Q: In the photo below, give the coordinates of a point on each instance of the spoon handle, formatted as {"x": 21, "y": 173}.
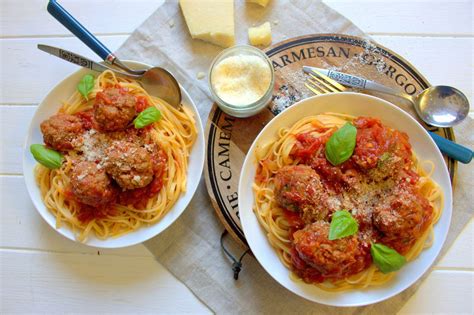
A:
{"x": 452, "y": 149}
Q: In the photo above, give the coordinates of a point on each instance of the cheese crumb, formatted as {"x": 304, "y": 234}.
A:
{"x": 241, "y": 79}
{"x": 171, "y": 23}
{"x": 201, "y": 75}
{"x": 262, "y": 3}
{"x": 261, "y": 35}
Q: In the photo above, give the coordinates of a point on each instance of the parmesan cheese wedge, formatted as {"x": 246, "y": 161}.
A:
{"x": 210, "y": 20}
{"x": 263, "y": 3}
{"x": 261, "y": 35}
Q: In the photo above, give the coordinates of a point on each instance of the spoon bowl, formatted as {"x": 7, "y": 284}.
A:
{"x": 441, "y": 106}
{"x": 159, "y": 82}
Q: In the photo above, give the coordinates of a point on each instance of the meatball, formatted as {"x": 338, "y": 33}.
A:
{"x": 402, "y": 218}
{"x": 389, "y": 166}
{"x": 114, "y": 109}
{"x": 61, "y": 131}
{"x": 298, "y": 188}
{"x": 129, "y": 164}
{"x": 332, "y": 259}
{"x": 91, "y": 185}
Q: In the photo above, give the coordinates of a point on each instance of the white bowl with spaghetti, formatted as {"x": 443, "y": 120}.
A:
{"x": 353, "y": 104}
{"x": 49, "y": 106}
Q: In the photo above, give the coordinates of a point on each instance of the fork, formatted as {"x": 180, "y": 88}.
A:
{"x": 319, "y": 83}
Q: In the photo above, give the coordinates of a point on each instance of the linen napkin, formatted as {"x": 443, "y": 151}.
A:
{"x": 190, "y": 248}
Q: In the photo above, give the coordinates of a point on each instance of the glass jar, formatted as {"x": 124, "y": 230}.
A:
{"x": 240, "y": 110}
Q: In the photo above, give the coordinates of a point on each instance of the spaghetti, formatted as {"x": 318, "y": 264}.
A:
{"x": 290, "y": 170}
{"x": 167, "y": 141}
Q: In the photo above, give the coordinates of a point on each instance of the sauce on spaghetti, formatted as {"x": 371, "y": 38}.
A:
{"x": 377, "y": 184}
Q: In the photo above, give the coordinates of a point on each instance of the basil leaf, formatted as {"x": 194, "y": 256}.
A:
{"x": 386, "y": 258}
{"x": 341, "y": 144}
{"x": 86, "y": 85}
{"x": 342, "y": 225}
{"x": 148, "y": 116}
{"x": 47, "y": 157}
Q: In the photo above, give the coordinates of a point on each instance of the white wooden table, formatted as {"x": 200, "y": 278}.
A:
{"x": 43, "y": 272}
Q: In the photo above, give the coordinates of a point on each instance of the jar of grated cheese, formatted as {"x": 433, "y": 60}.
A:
{"x": 241, "y": 80}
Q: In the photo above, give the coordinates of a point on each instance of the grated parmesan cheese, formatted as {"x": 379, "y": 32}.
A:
{"x": 241, "y": 79}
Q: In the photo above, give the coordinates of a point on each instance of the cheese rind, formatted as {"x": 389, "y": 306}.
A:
{"x": 210, "y": 20}
{"x": 261, "y": 35}
{"x": 263, "y": 3}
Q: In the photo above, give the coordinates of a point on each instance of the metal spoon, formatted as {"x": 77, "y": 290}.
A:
{"x": 157, "y": 81}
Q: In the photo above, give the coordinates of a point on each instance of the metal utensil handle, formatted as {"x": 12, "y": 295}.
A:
{"x": 360, "y": 83}
{"x": 73, "y": 58}
{"x": 452, "y": 149}
{"x": 81, "y": 61}
{"x": 66, "y": 19}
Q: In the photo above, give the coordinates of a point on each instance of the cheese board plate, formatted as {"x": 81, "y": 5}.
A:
{"x": 229, "y": 138}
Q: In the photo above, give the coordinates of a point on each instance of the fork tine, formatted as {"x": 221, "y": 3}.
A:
{"x": 322, "y": 82}
{"x": 319, "y": 86}
{"x": 314, "y": 89}
{"x": 332, "y": 82}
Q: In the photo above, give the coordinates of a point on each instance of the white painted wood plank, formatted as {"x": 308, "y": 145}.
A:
{"x": 461, "y": 253}
{"x": 28, "y": 74}
{"x": 14, "y": 122}
{"x": 23, "y": 228}
{"x": 441, "y": 60}
{"x": 438, "y": 18}
{"x": 443, "y": 292}
{"x": 30, "y": 18}
{"x": 72, "y": 283}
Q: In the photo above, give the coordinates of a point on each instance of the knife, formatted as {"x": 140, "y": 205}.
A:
{"x": 80, "y": 60}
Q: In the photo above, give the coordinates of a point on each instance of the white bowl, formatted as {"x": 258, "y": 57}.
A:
{"x": 358, "y": 105}
{"x": 50, "y": 106}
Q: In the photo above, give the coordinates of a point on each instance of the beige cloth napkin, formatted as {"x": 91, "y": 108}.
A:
{"x": 190, "y": 248}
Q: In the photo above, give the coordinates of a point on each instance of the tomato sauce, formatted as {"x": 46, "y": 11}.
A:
{"x": 141, "y": 104}
{"x": 375, "y": 143}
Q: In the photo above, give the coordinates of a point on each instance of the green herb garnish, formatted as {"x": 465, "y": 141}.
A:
{"x": 386, "y": 258}
{"x": 86, "y": 85}
{"x": 342, "y": 225}
{"x": 148, "y": 116}
{"x": 47, "y": 157}
{"x": 341, "y": 144}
